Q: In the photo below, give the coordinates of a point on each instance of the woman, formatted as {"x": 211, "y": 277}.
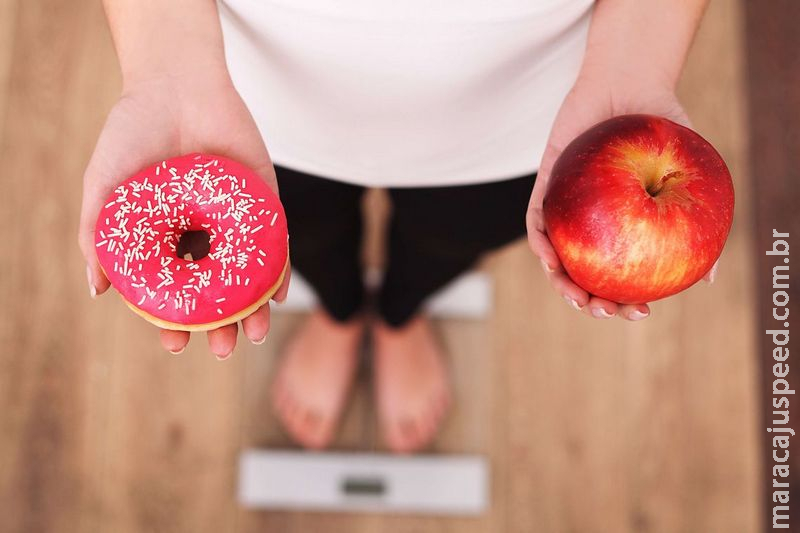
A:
{"x": 458, "y": 108}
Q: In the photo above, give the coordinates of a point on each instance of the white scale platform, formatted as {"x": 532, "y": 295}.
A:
{"x": 368, "y": 482}
{"x": 347, "y": 482}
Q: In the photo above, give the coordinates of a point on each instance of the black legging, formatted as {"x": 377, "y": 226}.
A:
{"x": 435, "y": 234}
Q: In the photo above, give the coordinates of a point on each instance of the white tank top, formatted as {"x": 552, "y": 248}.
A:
{"x": 405, "y": 92}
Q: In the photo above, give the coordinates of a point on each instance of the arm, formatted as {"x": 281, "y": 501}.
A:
{"x": 155, "y": 38}
{"x": 641, "y": 40}
{"x": 634, "y": 56}
{"x": 177, "y": 98}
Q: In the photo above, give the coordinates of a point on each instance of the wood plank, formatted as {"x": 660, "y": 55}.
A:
{"x": 8, "y": 23}
{"x": 773, "y": 80}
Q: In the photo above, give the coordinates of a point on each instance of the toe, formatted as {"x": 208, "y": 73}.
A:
{"x": 404, "y": 436}
{"x": 307, "y": 427}
{"x": 316, "y": 430}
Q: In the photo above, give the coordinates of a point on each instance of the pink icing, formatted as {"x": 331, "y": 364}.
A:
{"x": 139, "y": 227}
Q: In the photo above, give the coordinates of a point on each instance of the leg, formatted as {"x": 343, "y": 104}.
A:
{"x": 438, "y": 233}
{"x": 435, "y": 235}
{"x": 319, "y": 362}
{"x": 324, "y": 218}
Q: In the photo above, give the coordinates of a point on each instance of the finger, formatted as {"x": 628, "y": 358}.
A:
{"x": 174, "y": 341}
{"x": 540, "y": 245}
{"x": 95, "y": 277}
{"x": 283, "y": 291}
{"x": 572, "y": 294}
{"x": 222, "y": 340}
{"x": 711, "y": 275}
{"x": 600, "y": 308}
{"x": 256, "y": 325}
{"x": 634, "y": 312}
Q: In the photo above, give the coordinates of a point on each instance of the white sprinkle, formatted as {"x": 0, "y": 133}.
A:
{"x": 219, "y": 310}
{"x": 220, "y": 300}
{"x": 273, "y": 219}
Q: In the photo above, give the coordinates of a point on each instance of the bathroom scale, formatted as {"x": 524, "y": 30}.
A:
{"x": 363, "y": 482}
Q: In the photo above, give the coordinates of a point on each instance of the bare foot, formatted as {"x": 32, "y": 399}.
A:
{"x": 315, "y": 376}
{"x": 411, "y": 384}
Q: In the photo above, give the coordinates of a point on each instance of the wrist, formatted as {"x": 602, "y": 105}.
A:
{"x": 180, "y": 77}
{"x": 626, "y": 75}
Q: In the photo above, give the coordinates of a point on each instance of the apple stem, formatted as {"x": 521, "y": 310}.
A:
{"x": 655, "y": 188}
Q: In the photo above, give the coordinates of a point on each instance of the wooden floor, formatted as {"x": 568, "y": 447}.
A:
{"x": 589, "y": 426}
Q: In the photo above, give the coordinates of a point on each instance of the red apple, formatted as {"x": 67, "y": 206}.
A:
{"x": 638, "y": 208}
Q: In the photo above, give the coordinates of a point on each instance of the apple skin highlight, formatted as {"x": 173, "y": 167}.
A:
{"x": 638, "y": 208}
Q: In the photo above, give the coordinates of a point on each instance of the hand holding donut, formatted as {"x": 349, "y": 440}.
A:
{"x": 159, "y": 118}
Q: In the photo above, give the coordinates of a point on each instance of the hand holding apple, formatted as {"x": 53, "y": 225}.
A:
{"x": 592, "y": 101}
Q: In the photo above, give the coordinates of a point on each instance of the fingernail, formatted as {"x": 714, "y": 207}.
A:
{"x": 177, "y": 352}
{"x": 573, "y": 303}
{"x": 638, "y": 315}
{"x": 546, "y": 267}
{"x": 223, "y": 357}
{"x": 92, "y": 288}
{"x": 599, "y": 312}
{"x": 260, "y": 341}
{"x": 713, "y": 274}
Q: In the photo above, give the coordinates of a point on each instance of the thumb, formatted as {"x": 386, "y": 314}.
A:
{"x": 538, "y": 241}
{"x": 90, "y": 207}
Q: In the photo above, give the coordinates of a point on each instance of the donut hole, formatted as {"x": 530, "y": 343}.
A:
{"x": 193, "y": 245}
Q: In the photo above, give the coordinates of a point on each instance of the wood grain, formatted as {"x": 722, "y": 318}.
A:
{"x": 589, "y": 426}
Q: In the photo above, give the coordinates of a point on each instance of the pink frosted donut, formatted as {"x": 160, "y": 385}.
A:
{"x": 141, "y": 228}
